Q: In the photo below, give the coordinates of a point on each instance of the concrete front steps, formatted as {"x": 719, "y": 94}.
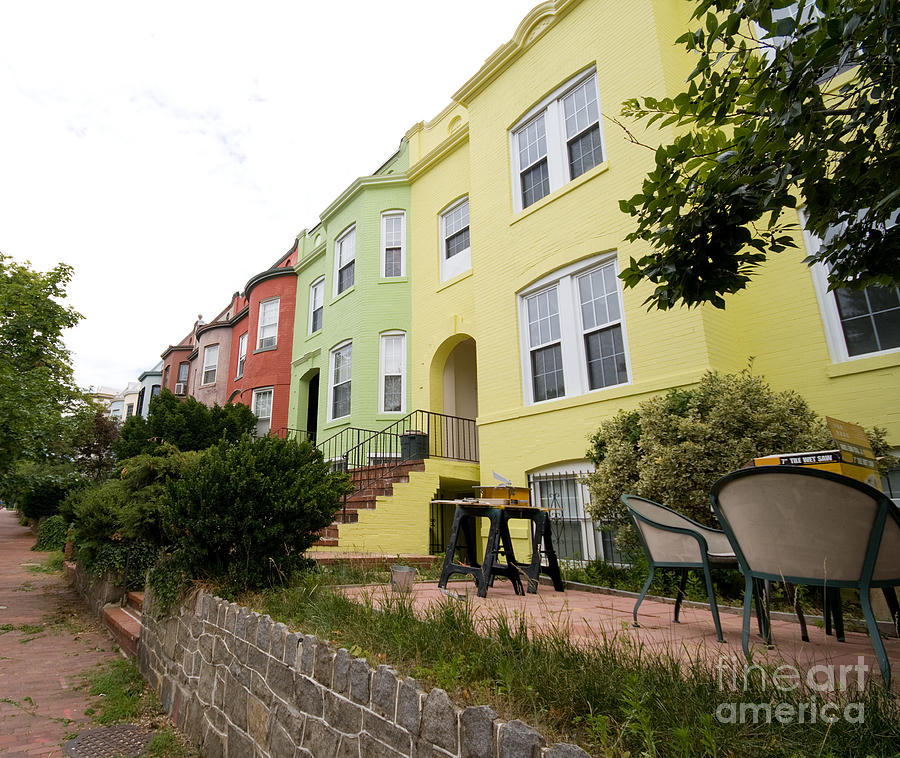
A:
{"x": 397, "y": 522}
{"x": 123, "y": 620}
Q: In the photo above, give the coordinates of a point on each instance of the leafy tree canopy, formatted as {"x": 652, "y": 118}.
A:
{"x": 187, "y": 424}
{"x": 36, "y": 382}
{"x": 790, "y": 105}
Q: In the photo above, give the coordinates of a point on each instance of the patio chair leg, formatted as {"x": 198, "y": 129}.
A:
{"x": 834, "y": 612}
{"x": 642, "y": 595}
{"x": 749, "y": 584}
{"x": 791, "y": 588}
{"x": 680, "y": 595}
{"x": 890, "y": 597}
{"x": 875, "y": 636}
{"x": 762, "y": 610}
{"x": 714, "y": 609}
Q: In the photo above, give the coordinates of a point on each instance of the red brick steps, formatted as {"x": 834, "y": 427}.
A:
{"x": 371, "y": 482}
{"x": 124, "y": 622}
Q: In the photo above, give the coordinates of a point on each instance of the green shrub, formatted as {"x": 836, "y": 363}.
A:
{"x": 187, "y": 424}
{"x": 52, "y": 534}
{"x": 118, "y": 524}
{"x": 674, "y": 447}
{"x": 249, "y": 511}
{"x": 39, "y": 488}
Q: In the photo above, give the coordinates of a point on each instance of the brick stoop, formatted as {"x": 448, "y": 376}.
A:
{"x": 364, "y": 498}
{"x": 124, "y": 622}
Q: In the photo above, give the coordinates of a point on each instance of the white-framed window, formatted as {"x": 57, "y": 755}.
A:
{"x": 857, "y": 322}
{"x": 210, "y": 364}
{"x": 316, "y": 304}
{"x": 183, "y": 370}
{"x": 242, "y": 355}
{"x": 392, "y": 373}
{"x": 261, "y": 405}
{"x": 344, "y": 260}
{"x": 557, "y": 141}
{"x": 393, "y": 244}
{"x": 267, "y": 332}
{"x": 573, "y": 333}
{"x": 456, "y": 253}
{"x": 340, "y": 373}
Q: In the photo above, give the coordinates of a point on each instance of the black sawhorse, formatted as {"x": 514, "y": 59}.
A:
{"x": 498, "y": 537}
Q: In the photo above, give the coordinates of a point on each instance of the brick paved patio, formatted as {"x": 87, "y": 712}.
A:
{"x": 588, "y": 615}
{"x": 39, "y": 671}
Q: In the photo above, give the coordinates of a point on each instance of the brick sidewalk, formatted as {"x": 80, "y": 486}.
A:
{"x": 39, "y": 669}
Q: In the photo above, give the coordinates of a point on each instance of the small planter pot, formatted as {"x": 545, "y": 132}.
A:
{"x": 402, "y": 578}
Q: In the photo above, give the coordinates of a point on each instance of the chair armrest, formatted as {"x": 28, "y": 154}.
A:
{"x": 716, "y": 541}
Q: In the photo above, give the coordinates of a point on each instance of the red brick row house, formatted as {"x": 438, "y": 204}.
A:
{"x": 243, "y": 355}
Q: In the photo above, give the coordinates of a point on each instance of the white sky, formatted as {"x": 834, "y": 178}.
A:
{"x": 169, "y": 151}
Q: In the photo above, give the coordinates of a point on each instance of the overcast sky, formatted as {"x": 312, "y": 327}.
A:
{"x": 169, "y": 151}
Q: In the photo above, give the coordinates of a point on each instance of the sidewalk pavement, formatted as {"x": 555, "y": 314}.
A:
{"x": 48, "y": 641}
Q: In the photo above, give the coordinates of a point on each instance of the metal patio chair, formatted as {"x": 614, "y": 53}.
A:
{"x": 673, "y": 541}
{"x": 806, "y": 526}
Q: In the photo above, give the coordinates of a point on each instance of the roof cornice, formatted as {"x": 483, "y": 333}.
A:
{"x": 460, "y": 136}
{"x": 239, "y": 315}
{"x": 263, "y": 276}
{"x": 308, "y": 260}
{"x": 532, "y": 28}
{"x": 172, "y": 348}
{"x": 213, "y": 325}
{"x": 364, "y": 182}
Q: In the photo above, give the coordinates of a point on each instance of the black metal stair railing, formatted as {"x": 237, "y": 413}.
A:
{"x": 334, "y": 449}
{"x": 419, "y": 435}
{"x": 287, "y": 432}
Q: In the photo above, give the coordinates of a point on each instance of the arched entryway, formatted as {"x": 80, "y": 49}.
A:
{"x": 454, "y": 377}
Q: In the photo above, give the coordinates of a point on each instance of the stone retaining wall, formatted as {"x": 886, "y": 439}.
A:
{"x": 97, "y": 592}
{"x": 240, "y": 685}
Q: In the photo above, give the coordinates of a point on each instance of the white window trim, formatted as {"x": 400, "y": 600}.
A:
{"x": 555, "y": 127}
{"x": 381, "y": 371}
{"x": 259, "y": 323}
{"x": 259, "y": 391}
{"x": 320, "y": 284}
{"x": 831, "y": 318}
{"x": 214, "y": 367}
{"x": 337, "y": 258}
{"x": 330, "y": 398}
{"x": 384, "y": 216}
{"x": 242, "y": 354}
{"x": 462, "y": 261}
{"x": 571, "y": 330}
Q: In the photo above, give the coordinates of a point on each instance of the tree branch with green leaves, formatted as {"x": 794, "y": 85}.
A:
{"x": 789, "y": 105}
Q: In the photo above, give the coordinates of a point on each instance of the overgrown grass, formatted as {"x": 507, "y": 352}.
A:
{"x": 122, "y": 697}
{"x": 52, "y": 565}
{"x": 119, "y": 688}
{"x": 614, "y": 697}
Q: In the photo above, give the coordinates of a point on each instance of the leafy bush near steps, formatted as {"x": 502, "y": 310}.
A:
{"x": 51, "y": 534}
{"x": 118, "y": 524}
{"x": 675, "y": 446}
{"x": 249, "y": 510}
